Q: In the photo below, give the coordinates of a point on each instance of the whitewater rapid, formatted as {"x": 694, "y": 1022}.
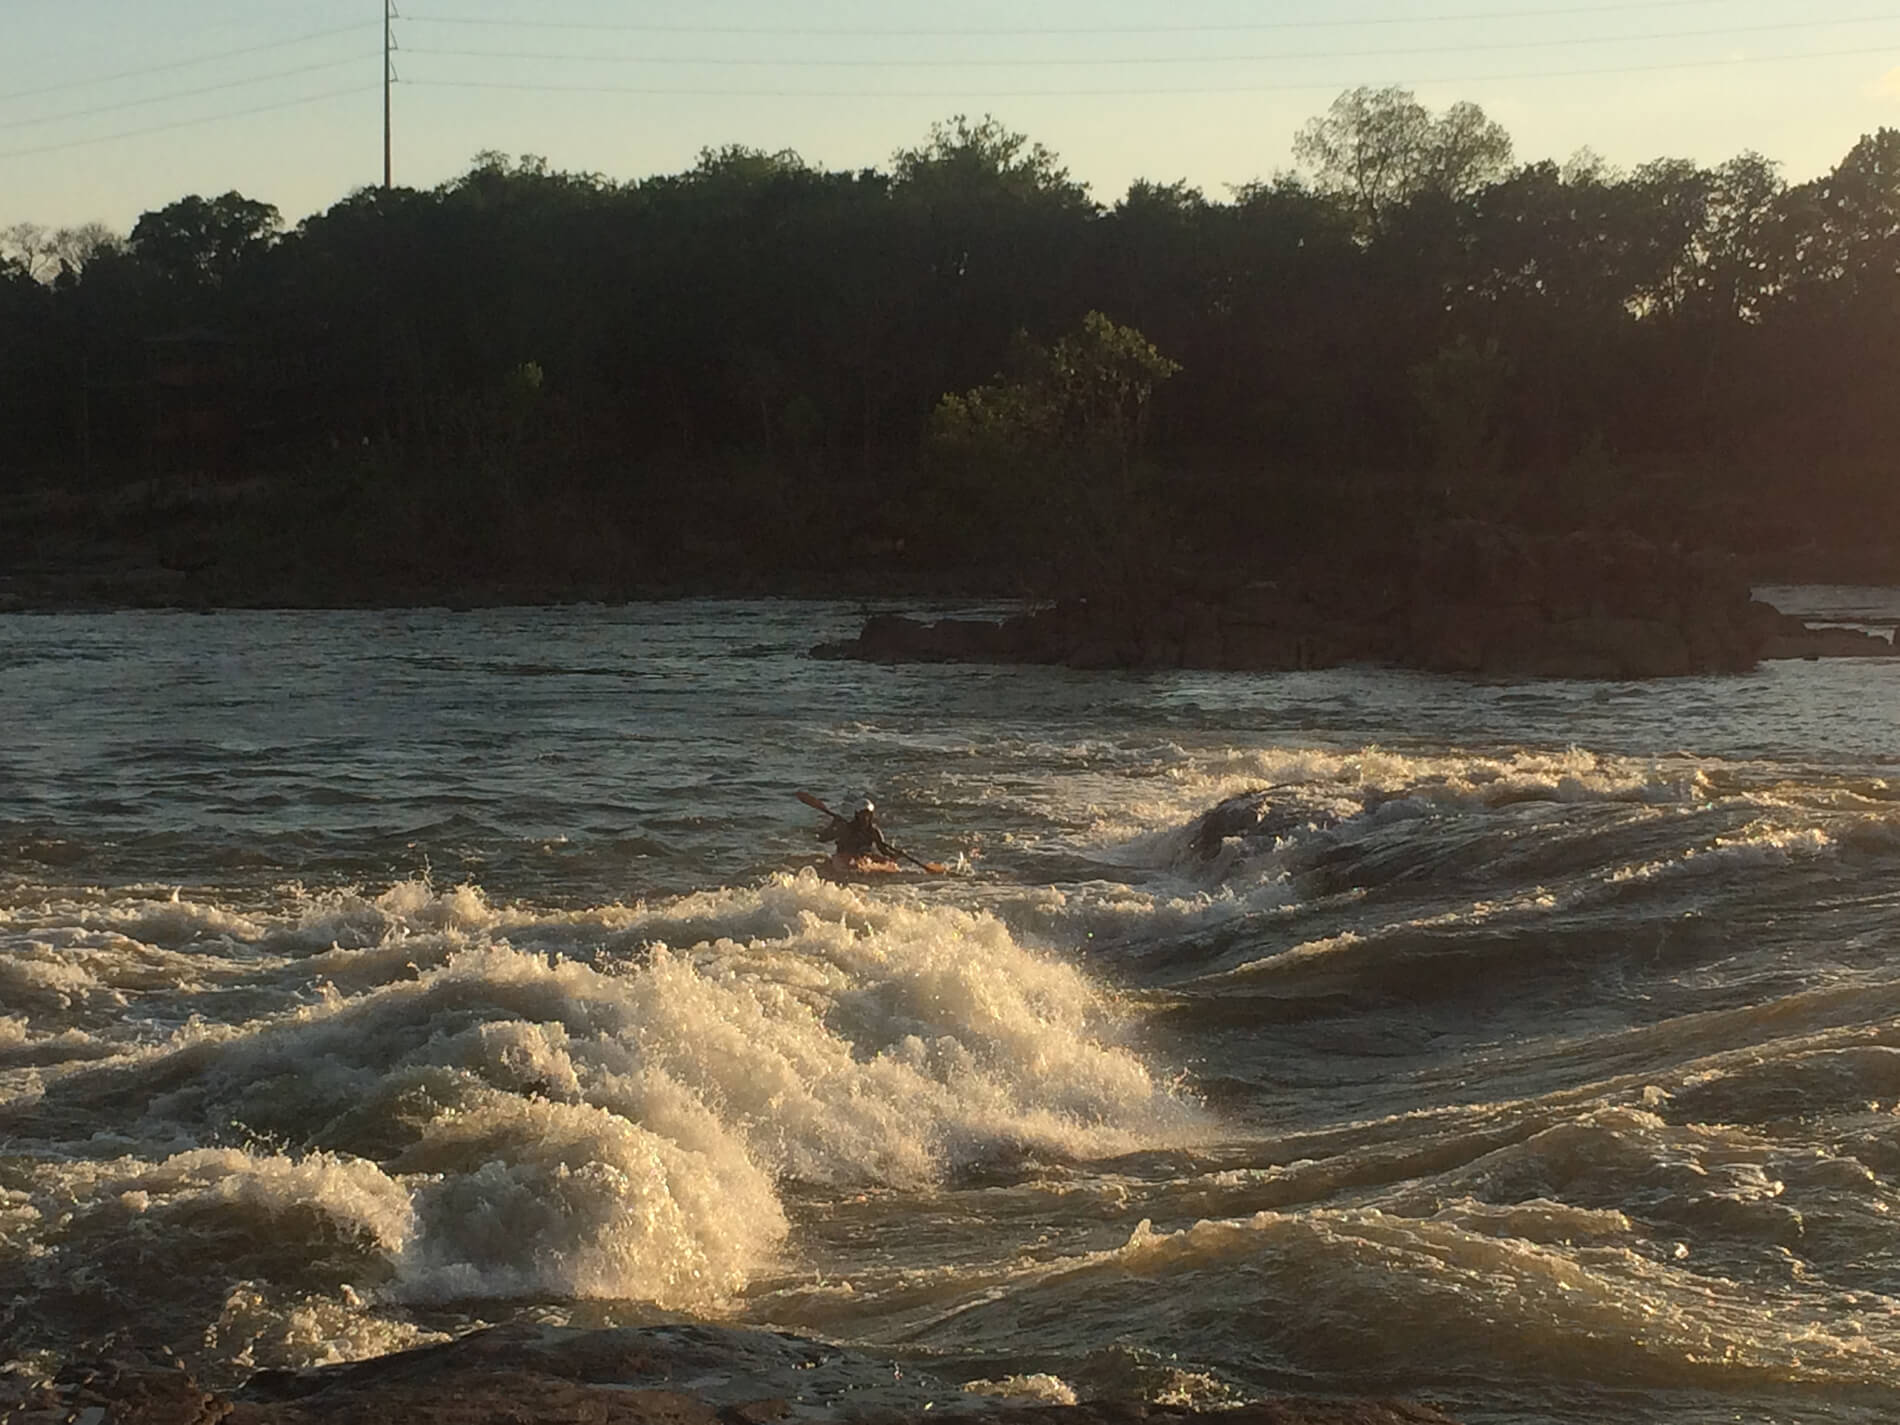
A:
{"x": 1532, "y": 1049}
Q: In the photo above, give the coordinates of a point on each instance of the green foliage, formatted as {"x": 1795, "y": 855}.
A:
{"x": 738, "y": 163}
{"x": 1003, "y": 425}
{"x": 1086, "y": 396}
{"x": 1175, "y": 202}
{"x": 1047, "y": 452}
{"x": 962, "y": 160}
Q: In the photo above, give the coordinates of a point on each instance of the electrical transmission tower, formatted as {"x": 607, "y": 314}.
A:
{"x": 389, "y": 78}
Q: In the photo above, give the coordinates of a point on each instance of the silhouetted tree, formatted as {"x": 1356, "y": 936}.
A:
{"x": 204, "y": 239}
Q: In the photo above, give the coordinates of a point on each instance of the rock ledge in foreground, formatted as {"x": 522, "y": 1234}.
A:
{"x": 666, "y": 1375}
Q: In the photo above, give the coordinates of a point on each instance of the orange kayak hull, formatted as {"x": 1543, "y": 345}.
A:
{"x": 857, "y": 868}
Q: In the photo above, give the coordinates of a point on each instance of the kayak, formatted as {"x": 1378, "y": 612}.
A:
{"x": 858, "y": 868}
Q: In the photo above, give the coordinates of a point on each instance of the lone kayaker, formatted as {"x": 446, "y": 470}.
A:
{"x": 860, "y": 836}
{"x": 860, "y": 843}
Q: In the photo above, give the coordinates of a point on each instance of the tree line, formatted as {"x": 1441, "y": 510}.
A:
{"x": 962, "y": 361}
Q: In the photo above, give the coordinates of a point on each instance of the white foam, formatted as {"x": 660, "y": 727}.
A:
{"x": 520, "y": 1198}
{"x": 1039, "y": 1387}
{"x": 620, "y": 1128}
{"x": 95, "y": 953}
{"x": 1301, "y": 956}
{"x": 1758, "y": 845}
{"x": 40, "y": 977}
{"x": 1344, "y": 781}
{"x": 176, "y": 921}
{"x": 355, "y": 1195}
{"x": 259, "y": 1330}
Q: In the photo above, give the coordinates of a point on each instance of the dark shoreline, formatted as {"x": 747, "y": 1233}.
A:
{"x": 1458, "y": 595}
{"x": 341, "y": 539}
{"x": 156, "y": 587}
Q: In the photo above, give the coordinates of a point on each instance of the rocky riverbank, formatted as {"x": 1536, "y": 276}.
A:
{"x": 1468, "y": 597}
{"x": 666, "y": 1375}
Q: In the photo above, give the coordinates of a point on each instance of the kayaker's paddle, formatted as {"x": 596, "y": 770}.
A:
{"x": 936, "y": 868}
{"x": 809, "y": 800}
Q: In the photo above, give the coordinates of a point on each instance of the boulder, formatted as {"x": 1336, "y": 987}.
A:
{"x": 889, "y": 638}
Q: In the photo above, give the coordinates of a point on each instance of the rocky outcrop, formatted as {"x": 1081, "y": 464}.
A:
{"x": 630, "y": 1376}
{"x": 1794, "y": 639}
{"x": 1468, "y": 597}
{"x": 1257, "y": 815}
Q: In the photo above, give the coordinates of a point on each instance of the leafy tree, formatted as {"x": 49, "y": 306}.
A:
{"x": 1740, "y": 265}
{"x": 45, "y": 256}
{"x": 743, "y": 165}
{"x": 27, "y": 380}
{"x": 1379, "y": 149}
{"x": 1852, "y": 217}
{"x": 961, "y": 160}
{"x": 1089, "y": 392}
{"x": 1055, "y": 440}
{"x": 204, "y": 240}
{"x": 27, "y": 247}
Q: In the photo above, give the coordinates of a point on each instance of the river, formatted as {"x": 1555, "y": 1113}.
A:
{"x": 365, "y": 977}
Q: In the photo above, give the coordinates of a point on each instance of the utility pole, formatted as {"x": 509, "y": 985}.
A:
{"x": 389, "y": 75}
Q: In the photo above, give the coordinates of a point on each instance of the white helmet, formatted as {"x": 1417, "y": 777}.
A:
{"x": 867, "y": 805}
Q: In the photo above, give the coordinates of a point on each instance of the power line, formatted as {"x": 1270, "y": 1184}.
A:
{"x": 205, "y": 17}
{"x": 182, "y": 63}
{"x": 178, "y": 94}
{"x": 1069, "y": 61}
{"x": 189, "y": 123}
{"x": 876, "y": 32}
{"x": 1197, "y": 91}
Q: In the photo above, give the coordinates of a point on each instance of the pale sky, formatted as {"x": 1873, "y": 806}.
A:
{"x": 109, "y": 108}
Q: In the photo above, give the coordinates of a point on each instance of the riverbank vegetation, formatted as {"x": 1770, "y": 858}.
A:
{"x": 956, "y": 372}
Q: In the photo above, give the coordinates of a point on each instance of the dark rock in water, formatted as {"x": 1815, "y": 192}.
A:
{"x": 1237, "y": 816}
{"x": 666, "y": 1375}
{"x": 1467, "y": 597}
{"x": 1252, "y": 815}
{"x": 1828, "y": 643}
{"x": 110, "y": 1393}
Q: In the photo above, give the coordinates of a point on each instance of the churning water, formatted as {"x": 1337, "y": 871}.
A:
{"x": 366, "y": 976}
